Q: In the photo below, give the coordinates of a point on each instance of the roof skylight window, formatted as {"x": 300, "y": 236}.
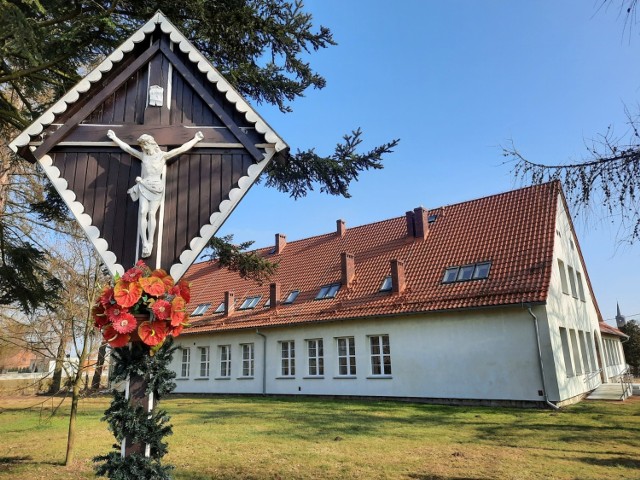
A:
{"x": 387, "y": 284}
{"x": 267, "y": 303}
{"x": 475, "y": 271}
{"x": 292, "y": 296}
{"x": 220, "y": 308}
{"x": 250, "y": 302}
{"x": 432, "y": 218}
{"x": 200, "y": 309}
{"x": 328, "y": 291}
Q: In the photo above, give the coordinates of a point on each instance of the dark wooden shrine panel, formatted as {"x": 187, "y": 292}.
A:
{"x": 196, "y": 185}
{"x": 100, "y": 180}
{"x": 126, "y": 104}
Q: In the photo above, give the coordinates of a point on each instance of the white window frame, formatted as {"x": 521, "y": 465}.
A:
{"x": 563, "y": 277}
{"x": 380, "y": 359}
{"x": 250, "y": 302}
{"x": 315, "y": 357}
{"x": 584, "y": 352}
{"x": 200, "y": 309}
{"x": 204, "y": 361}
{"x": 224, "y": 356}
{"x": 572, "y": 281}
{"x": 185, "y": 363}
{"x": 287, "y": 358}
{"x": 580, "y": 286}
{"x": 248, "y": 359}
{"x": 575, "y": 348}
{"x": 346, "y": 356}
{"x": 566, "y": 352}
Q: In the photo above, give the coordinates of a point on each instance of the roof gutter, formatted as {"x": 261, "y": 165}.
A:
{"x": 540, "y": 363}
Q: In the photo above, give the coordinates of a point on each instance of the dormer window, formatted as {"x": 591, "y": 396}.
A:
{"x": 200, "y": 309}
{"x": 250, "y": 302}
{"x": 475, "y": 271}
{"x": 328, "y": 291}
{"x": 291, "y": 297}
{"x": 387, "y": 284}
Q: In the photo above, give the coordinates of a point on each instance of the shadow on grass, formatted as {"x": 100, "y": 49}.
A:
{"x": 7, "y": 463}
{"x": 427, "y": 476}
{"x": 613, "y": 462}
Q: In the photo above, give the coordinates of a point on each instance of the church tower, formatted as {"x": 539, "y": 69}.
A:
{"x": 621, "y": 321}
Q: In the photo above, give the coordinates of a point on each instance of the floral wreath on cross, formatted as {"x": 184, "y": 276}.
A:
{"x": 143, "y": 292}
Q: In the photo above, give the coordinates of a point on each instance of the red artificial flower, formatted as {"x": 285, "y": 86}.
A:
{"x": 164, "y": 276}
{"x": 132, "y": 274}
{"x": 153, "y": 286}
{"x": 106, "y": 297}
{"x": 99, "y": 314}
{"x": 152, "y": 333}
{"x": 178, "y": 307}
{"x": 127, "y": 293}
{"x": 125, "y": 323}
{"x": 182, "y": 289}
{"x": 161, "y": 309}
{"x": 114, "y": 312}
{"x": 113, "y": 338}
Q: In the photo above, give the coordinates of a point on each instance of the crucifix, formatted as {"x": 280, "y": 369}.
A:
{"x": 149, "y": 188}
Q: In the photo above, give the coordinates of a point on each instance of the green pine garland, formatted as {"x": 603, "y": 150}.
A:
{"x": 135, "y": 423}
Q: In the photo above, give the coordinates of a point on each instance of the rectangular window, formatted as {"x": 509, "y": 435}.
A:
{"x": 315, "y": 352}
{"x": 200, "y": 309}
{"x": 380, "y": 355}
{"x": 225, "y": 360}
{"x": 566, "y": 352}
{"x": 204, "y": 361}
{"x": 250, "y": 302}
{"x": 575, "y": 350}
{"x": 482, "y": 270}
{"x": 580, "y": 286}
{"x": 450, "y": 275}
{"x": 563, "y": 277}
{"x": 186, "y": 362}
{"x": 328, "y": 291}
{"x": 247, "y": 359}
{"x": 592, "y": 356}
{"x": 287, "y": 359}
{"x": 583, "y": 350}
{"x": 572, "y": 281}
{"x": 346, "y": 356}
{"x": 291, "y": 297}
{"x": 465, "y": 273}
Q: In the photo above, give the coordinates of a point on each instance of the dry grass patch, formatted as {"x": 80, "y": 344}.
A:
{"x": 232, "y": 438}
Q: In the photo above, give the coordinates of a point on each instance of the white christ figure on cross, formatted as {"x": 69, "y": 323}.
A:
{"x": 149, "y": 188}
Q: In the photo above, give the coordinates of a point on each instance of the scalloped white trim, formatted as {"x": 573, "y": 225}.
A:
{"x": 185, "y": 46}
{"x": 77, "y": 209}
{"x": 197, "y": 244}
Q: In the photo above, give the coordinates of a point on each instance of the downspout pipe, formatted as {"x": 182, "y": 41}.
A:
{"x": 540, "y": 363}
{"x": 264, "y": 361}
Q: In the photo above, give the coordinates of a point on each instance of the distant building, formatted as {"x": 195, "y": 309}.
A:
{"x": 486, "y": 301}
{"x": 621, "y": 321}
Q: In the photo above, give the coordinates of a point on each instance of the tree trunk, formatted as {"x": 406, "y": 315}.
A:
{"x": 97, "y": 374}
{"x": 56, "y": 379}
{"x": 71, "y": 438}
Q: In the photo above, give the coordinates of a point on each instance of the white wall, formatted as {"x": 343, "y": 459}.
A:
{"x": 481, "y": 354}
{"x": 573, "y": 314}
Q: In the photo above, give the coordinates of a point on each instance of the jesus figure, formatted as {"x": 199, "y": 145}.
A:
{"x": 149, "y": 188}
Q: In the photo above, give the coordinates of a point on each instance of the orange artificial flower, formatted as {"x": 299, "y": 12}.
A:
{"x": 106, "y": 297}
{"x": 178, "y": 307}
{"x": 152, "y": 333}
{"x": 153, "y": 286}
{"x": 182, "y": 289}
{"x": 127, "y": 294}
{"x": 164, "y": 276}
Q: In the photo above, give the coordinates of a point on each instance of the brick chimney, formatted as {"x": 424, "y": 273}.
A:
{"x": 411, "y": 231}
{"x": 341, "y": 227}
{"x": 281, "y": 241}
{"x": 418, "y": 223}
{"x": 398, "y": 280}
{"x": 421, "y": 222}
{"x": 229, "y": 303}
{"x": 274, "y": 295}
{"x": 348, "y": 269}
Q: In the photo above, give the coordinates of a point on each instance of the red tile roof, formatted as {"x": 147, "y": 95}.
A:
{"x": 515, "y": 231}
{"x": 606, "y": 328}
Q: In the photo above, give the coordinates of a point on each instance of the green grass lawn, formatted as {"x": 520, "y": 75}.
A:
{"x": 268, "y": 438}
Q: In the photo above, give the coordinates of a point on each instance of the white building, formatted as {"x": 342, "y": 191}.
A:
{"x": 485, "y": 301}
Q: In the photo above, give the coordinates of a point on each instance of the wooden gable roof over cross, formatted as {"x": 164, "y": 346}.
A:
{"x": 155, "y": 83}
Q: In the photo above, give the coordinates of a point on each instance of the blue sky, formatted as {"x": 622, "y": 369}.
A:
{"x": 454, "y": 80}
